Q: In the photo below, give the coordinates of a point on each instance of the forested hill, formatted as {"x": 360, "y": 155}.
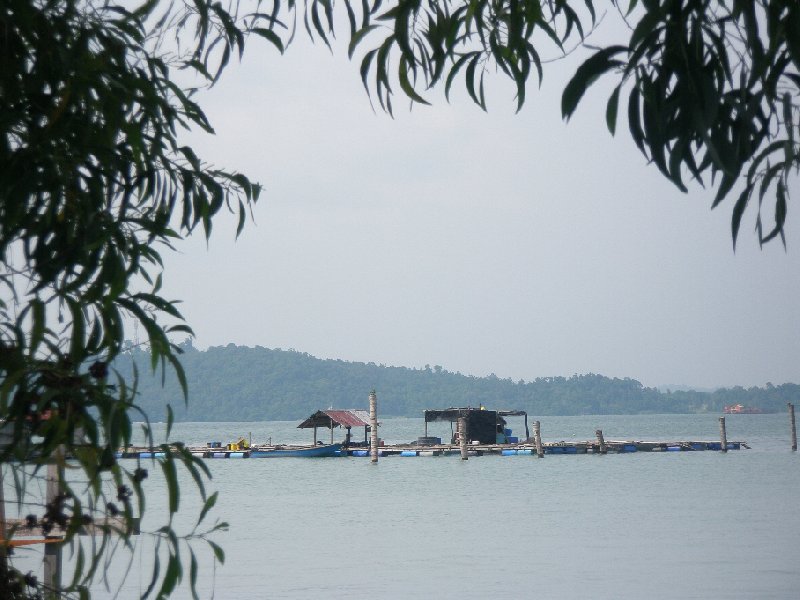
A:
{"x": 235, "y": 383}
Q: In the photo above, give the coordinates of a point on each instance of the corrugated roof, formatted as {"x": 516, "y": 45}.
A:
{"x": 336, "y": 418}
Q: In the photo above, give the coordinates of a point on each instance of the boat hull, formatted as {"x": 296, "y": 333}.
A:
{"x": 296, "y": 452}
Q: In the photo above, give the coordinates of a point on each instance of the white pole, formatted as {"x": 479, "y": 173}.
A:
{"x": 537, "y": 438}
{"x": 52, "y": 552}
{"x": 373, "y": 425}
{"x": 462, "y": 437}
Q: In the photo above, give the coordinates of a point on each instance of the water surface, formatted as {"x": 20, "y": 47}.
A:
{"x": 657, "y": 525}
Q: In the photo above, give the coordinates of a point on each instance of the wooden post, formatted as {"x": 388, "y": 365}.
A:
{"x": 52, "y": 552}
{"x": 601, "y": 440}
{"x": 723, "y": 436}
{"x": 373, "y": 425}
{"x": 537, "y": 438}
{"x": 794, "y": 427}
{"x": 462, "y": 437}
{"x": 3, "y": 531}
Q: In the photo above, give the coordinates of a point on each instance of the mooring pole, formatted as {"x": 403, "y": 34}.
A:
{"x": 794, "y": 427}
{"x": 601, "y": 440}
{"x": 52, "y": 552}
{"x": 723, "y": 436}
{"x": 462, "y": 437}
{"x": 3, "y": 530}
{"x": 537, "y": 438}
{"x": 373, "y": 425}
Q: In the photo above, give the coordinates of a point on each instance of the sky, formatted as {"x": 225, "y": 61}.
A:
{"x": 501, "y": 242}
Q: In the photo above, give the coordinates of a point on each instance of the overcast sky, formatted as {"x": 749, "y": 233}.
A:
{"x": 504, "y": 243}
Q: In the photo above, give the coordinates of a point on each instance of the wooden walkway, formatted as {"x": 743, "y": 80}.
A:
{"x": 523, "y": 449}
{"x": 527, "y": 449}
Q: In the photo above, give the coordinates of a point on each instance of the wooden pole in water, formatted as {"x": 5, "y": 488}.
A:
{"x": 794, "y": 427}
{"x": 3, "y": 530}
{"x": 601, "y": 440}
{"x": 462, "y": 437}
{"x": 537, "y": 438}
{"x": 373, "y": 425}
{"x": 723, "y": 436}
{"x": 52, "y": 552}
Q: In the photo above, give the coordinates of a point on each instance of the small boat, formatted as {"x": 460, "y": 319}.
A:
{"x": 740, "y": 409}
{"x": 295, "y": 451}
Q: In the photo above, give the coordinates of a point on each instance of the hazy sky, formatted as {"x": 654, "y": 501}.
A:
{"x": 504, "y": 243}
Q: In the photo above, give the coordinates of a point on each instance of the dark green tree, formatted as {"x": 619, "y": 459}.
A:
{"x": 94, "y": 185}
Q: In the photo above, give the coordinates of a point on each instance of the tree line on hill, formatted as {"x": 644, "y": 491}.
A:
{"x": 237, "y": 383}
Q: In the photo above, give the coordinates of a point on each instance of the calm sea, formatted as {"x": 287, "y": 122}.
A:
{"x": 703, "y": 525}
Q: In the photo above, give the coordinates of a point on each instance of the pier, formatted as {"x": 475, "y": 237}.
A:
{"x": 413, "y": 449}
{"x": 473, "y": 432}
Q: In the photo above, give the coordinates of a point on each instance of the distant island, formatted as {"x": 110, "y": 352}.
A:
{"x": 237, "y": 383}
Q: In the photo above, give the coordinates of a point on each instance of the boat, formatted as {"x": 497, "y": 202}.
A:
{"x": 740, "y": 409}
{"x": 295, "y": 451}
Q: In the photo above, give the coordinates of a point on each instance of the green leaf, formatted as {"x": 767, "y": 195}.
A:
{"x": 738, "y": 211}
{"x": 358, "y": 37}
{"x": 634, "y": 124}
{"x": 171, "y": 576}
{"x": 38, "y": 325}
{"x": 595, "y": 66}
{"x": 470, "y": 80}
{"x": 207, "y": 506}
{"x": 405, "y": 84}
{"x": 453, "y": 72}
{"x": 270, "y": 36}
{"x": 219, "y": 553}
{"x": 171, "y": 479}
{"x": 611, "y": 110}
{"x": 193, "y": 570}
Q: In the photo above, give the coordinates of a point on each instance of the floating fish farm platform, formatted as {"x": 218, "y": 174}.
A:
{"x": 479, "y": 432}
{"x": 411, "y": 450}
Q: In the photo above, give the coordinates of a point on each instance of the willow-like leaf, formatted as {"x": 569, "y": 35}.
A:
{"x": 612, "y": 108}
{"x": 270, "y": 36}
{"x": 595, "y": 66}
{"x": 406, "y": 85}
{"x": 356, "y": 39}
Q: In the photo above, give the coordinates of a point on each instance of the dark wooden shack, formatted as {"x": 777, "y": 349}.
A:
{"x": 483, "y": 426}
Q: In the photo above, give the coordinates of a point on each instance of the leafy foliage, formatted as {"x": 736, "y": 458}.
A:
{"x": 94, "y": 184}
{"x": 712, "y": 85}
{"x": 713, "y": 88}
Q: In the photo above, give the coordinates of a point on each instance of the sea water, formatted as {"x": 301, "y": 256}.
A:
{"x": 707, "y": 525}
